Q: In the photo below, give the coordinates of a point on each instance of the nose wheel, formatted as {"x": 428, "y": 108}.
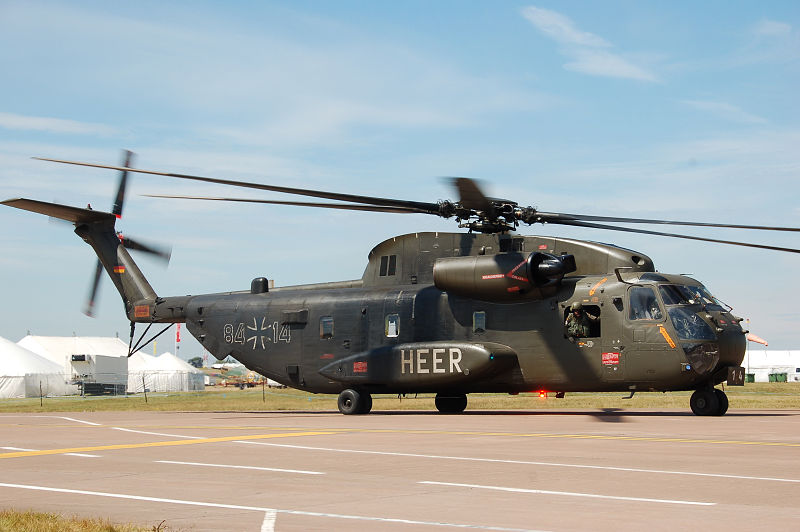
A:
{"x": 451, "y": 404}
{"x": 709, "y": 402}
{"x": 354, "y": 402}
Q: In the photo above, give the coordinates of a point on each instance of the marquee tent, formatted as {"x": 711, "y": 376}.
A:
{"x": 98, "y": 362}
{"x": 165, "y": 373}
{"x": 26, "y": 374}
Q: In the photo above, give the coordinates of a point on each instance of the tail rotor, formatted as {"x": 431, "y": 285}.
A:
{"x": 163, "y": 254}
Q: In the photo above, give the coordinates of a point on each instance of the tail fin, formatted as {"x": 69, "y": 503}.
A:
{"x": 97, "y": 229}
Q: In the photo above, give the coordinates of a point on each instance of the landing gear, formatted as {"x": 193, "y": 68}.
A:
{"x": 451, "y": 404}
{"x": 354, "y": 402}
{"x": 709, "y": 402}
{"x": 723, "y": 402}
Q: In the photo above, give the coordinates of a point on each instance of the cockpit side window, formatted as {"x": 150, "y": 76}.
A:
{"x": 643, "y": 304}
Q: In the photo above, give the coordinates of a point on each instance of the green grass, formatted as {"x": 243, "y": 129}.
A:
{"x": 16, "y": 521}
{"x": 751, "y": 396}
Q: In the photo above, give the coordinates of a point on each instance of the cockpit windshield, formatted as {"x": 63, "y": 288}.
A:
{"x": 675, "y": 294}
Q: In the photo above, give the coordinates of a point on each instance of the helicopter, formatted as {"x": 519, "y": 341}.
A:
{"x": 481, "y": 311}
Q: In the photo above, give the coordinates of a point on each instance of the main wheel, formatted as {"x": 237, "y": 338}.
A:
{"x": 722, "y": 397}
{"x": 451, "y": 404}
{"x": 704, "y": 402}
{"x": 354, "y": 402}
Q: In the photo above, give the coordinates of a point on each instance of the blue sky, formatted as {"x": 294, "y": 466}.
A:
{"x": 675, "y": 110}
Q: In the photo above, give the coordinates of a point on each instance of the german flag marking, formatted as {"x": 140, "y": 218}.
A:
{"x": 119, "y": 269}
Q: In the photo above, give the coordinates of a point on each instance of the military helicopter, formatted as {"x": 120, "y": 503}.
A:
{"x": 485, "y": 310}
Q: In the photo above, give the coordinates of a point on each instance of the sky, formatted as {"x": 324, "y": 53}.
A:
{"x": 672, "y": 110}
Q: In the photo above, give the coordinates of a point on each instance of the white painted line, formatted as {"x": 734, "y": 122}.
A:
{"x": 34, "y": 450}
{"x": 568, "y": 493}
{"x": 160, "y": 434}
{"x": 75, "y": 420}
{"x": 299, "y": 471}
{"x": 261, "y": 509}
{"x": 269, "y": 521}
{"x": 522, "y": 462}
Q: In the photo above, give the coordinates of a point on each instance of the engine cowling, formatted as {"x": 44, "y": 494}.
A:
{"x": 505, "y": 277}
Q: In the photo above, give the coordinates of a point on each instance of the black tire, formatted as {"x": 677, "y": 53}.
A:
{"x": 366, "y": 403}
{"x": 704, "y": 402}
{"x": 354, "y": 402}
{"x": 722, "y": 398}
{"x": 451, "y": 404}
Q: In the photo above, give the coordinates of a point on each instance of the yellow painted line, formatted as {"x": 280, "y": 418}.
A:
{"x": 494, "y": 434}
{"x": 576, "y": 437}
{"x": 168, "y": 443}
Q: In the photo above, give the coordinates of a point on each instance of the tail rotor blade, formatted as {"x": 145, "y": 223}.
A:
{"x": 162, "y": 253}
{"x": 89, "y": 310}
{"x": 127, "y": 160}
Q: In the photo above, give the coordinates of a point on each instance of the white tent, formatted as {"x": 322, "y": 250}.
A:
{"x": 92, "y": 359}
{"x": 26, "y": 374}
{"x": 165, "y": 373}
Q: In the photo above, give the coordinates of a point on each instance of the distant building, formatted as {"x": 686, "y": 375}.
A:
{"x": 769, "y": 365}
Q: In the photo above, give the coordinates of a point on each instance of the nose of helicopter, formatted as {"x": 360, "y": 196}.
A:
{"x": 732, "y": 344}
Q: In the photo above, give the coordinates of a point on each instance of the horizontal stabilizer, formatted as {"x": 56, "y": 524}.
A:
{"x": 64, "y": 212}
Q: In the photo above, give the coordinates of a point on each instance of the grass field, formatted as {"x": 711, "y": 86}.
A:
{"x": 16, "y": 521}
{"x": 785, "y": 395}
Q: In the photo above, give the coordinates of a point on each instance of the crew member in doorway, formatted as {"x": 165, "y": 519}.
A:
{"x": 579, "y": 321}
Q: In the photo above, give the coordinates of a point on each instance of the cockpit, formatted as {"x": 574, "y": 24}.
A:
{"x": 683, "y": 304}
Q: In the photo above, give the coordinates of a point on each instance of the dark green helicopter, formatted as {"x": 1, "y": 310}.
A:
{"x": 452, "y": 313}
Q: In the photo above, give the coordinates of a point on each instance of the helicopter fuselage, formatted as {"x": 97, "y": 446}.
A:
{"x": 404, "y": 329}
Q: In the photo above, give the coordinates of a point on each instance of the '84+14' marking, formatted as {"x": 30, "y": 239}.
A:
{"x": 255, "y": 333}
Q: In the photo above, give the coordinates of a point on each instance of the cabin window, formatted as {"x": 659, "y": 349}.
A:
{"x": 479, "y": 321}
{"x": 388, "y": 265}
{"x": 644, "y": 305}
{"x": 392, "y": 326}
{"x": 583, "y": 322}
{"x": 326, "y": 327}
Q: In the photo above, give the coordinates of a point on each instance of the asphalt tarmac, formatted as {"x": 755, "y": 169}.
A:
{"x": 520, "y": 470}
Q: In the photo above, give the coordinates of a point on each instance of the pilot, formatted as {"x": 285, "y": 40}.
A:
{"x": 579, "y": 321}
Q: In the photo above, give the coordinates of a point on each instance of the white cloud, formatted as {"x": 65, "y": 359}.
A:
{"x": 772, "y": 28}
{"x": 587, "y": 51}
{"x": 52, "y": 125}
{"x": 561, "y": 28}
{"x": 726, "y": 111}
{"x": 603, "y": 63}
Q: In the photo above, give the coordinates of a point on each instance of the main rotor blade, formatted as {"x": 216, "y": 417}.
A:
{"x": 471, "y": 196}
{"x": 426, "y": 207}
{"x": 673, "y": 235}
{"x": 116, "y": 209}
{"x": 558, "y": 217}
{"x": 89, "y": 310}
{"x": 343, "y": 206}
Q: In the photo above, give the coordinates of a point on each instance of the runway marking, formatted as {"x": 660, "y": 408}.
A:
{"x": 263, "y": 510}
{"x": 522, "y": 462}
{"x": 20, "y": 454}
{"x": 568, "y": 493}
{"x": 75, "y": 420}
{"x": 299, "y": 471}
{"x": 575, "y": 436}
{"x": 159, "y": 434}
{"x": 507, "y": 434}
{"x": 67, "y": 454}
{"x": 268, "y": 525}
